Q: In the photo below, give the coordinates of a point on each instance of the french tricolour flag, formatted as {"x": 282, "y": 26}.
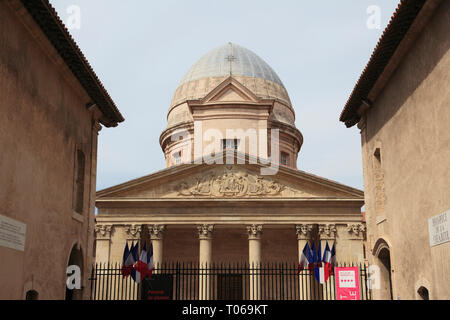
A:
{"x": 128, "y": 260}
{"x": 141, "y": 266}
{"x": 150, "y": 264}
{"x": 305, "y": 258}
{"x": 315, "y": 259}
{"x": 333, "y": 259}
{"x": 323, "y": 265}
{"x": 327, "y": 262}
{"x": 134, "y": 253}
{"x": 318, "y": 269}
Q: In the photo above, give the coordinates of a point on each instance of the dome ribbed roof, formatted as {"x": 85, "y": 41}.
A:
{"x": 231, "y": 57}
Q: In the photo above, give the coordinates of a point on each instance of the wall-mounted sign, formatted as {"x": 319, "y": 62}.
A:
{"x": 347, "y": 283}
{"x": 12, "y": 233}
{"x": 158, "y": 287}
{"x": 439, "y": 229}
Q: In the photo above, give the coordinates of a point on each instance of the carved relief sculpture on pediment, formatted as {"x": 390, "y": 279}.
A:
{"x": 229, "y": 183}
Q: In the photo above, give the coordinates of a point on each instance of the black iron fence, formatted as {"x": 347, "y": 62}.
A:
{"x": 230, "y": 281}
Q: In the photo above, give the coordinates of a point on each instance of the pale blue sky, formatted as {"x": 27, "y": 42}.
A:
{"x": 141, "y": 50}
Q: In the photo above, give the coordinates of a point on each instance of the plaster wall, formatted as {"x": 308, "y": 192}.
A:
{"x": 43, "y": 121}
{"x": 409, "y": 124}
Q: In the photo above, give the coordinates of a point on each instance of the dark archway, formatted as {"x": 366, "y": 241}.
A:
{"x": 32, "y": 295}
{"x": 382, "y": 252}
{"x": 76, "y": 258}
{"x": 423, "y": 293}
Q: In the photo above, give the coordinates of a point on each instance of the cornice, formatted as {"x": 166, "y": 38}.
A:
{"x": 268, "y": 220}
{"x": 184, "y": 168}
{"x": 261, "y": 202}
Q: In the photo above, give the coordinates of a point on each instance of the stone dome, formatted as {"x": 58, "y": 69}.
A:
{"x": 249, "y": 95}
{"x": 237, "y": 61}
{"x": 234, "y": 59}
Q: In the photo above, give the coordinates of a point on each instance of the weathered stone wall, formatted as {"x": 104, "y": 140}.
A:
{"x": 43, "y": 120}
{"x": 409, "y": 124}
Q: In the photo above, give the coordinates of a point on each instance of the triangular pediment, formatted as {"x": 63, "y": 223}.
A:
{"x": 222, "y": 181}
{"x": 231, "y": 94}
{"x": 230, "y": 90}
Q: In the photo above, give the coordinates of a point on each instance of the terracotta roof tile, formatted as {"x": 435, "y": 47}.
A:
{"x": 48, "y": 20}
{"x": 398, "y": 26}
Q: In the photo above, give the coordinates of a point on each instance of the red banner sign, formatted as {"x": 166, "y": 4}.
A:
{"x": 347, "y": 283}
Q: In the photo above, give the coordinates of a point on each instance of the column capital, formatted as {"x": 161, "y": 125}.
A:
{"x": 327, "y": 231}
{"x": 303, "y": 231}
{"x": 205, "y": 231}
{"x": 133, "y": 231}
{"x": 357, "y": 230}
{"x": 156, "y": 231}
{"x": 103, "y": 231}
{"x": 254, "y": 231}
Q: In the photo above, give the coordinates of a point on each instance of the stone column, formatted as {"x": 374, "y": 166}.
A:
{"x": 356, "y": 234}
{"x": 205, "y": 235}
{"x": 133, "y": 235}
{"x": 157, "y": 236}
{"x": 103, "y": 234}
{"x": 327, "y": 234}
{"x": 103, "y": 242}
{"x": 303, "y": 236}
{"x": 254, "y": 255}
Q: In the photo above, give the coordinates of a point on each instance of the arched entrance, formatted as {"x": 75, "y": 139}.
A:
{"x": 382, "y": 255}
{"x": 423, "y": 293}
{"x": 75, "y": 259}
{"x": 32, "y": 295}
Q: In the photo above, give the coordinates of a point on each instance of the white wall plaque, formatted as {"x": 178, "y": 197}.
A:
{"x": 439, "y": 229}
{"x": 12, "y": 233}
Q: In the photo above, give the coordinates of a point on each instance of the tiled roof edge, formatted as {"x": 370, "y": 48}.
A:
{"x": 394, "y": 33}
{"x": 48, "y": 20}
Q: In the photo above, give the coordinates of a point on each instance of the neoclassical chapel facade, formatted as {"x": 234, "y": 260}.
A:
{"x": 220, "y": 199}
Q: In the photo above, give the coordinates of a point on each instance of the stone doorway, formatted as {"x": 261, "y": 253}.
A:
{"x": 76, "y": 258}
{"x": 383, "y": 256}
